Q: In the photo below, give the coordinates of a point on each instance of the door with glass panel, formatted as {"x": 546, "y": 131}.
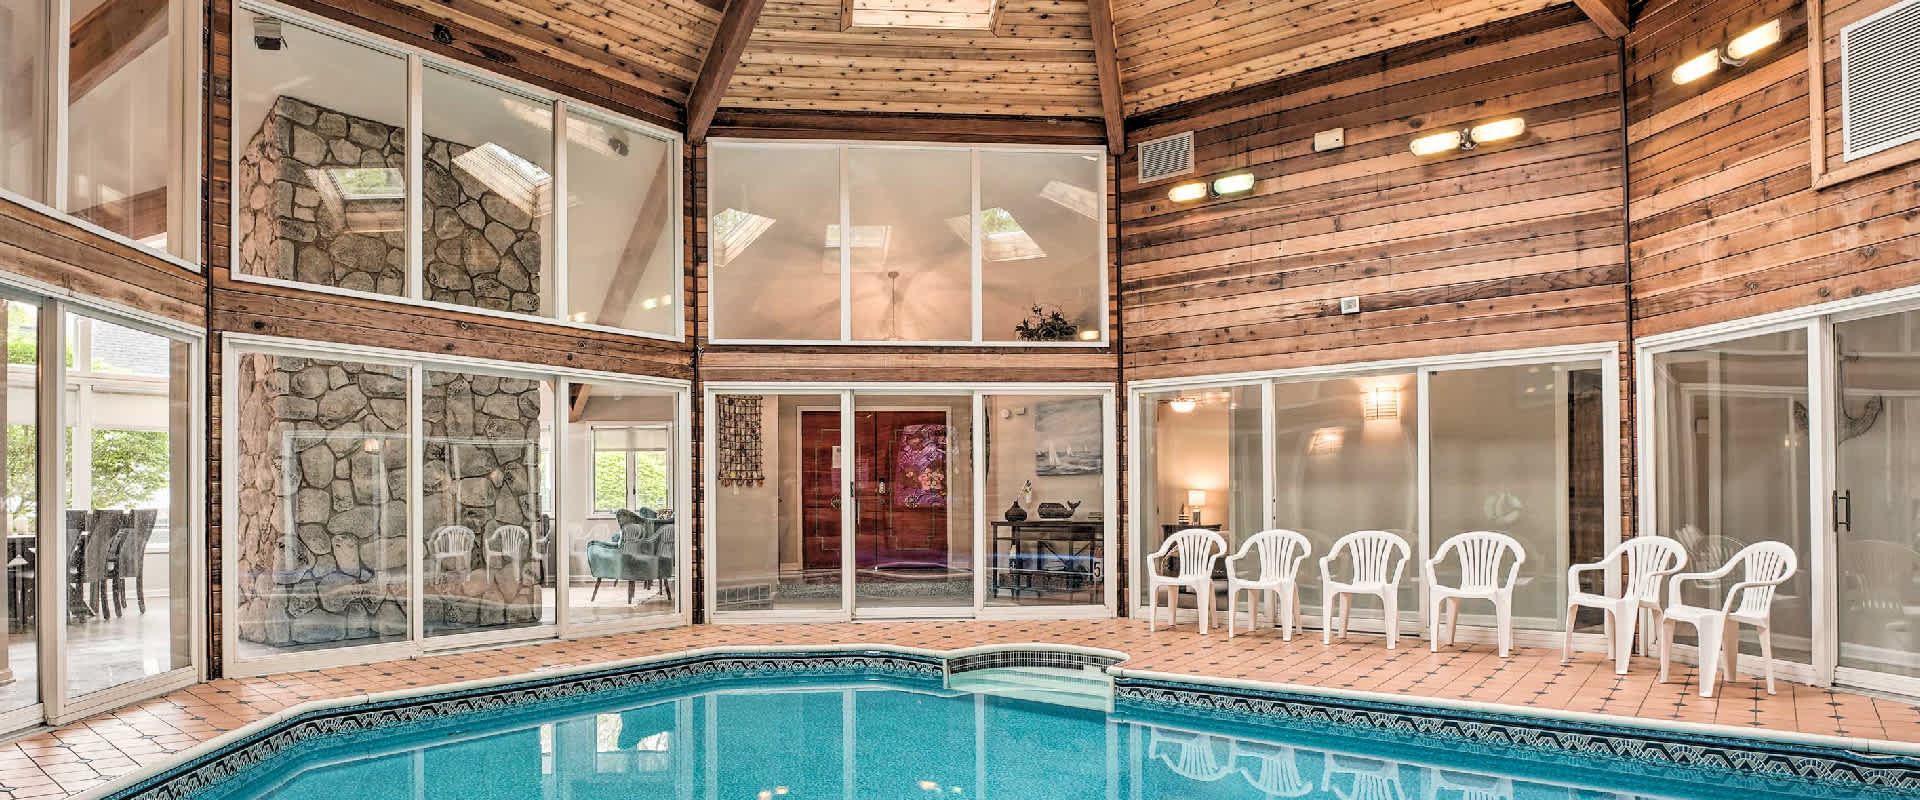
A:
{"x": 1200, "y": 465}
{"x": 1876, "y": 500}
{"x": 910, "y": 483}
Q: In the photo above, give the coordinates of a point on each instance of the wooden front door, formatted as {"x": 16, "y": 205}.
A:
{"x": 900, "y": 486}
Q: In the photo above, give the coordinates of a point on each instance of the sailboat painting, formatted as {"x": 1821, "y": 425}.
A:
{"x": 1066, "y": 435}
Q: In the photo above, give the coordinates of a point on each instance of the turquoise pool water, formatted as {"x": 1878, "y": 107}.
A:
{"x": 911, "y": 738}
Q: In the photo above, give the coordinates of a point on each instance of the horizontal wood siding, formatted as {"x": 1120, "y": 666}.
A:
{"x": 55, "y": 252}
{"x": 1725, "y": 220}
{"x": 1515, "y": 244}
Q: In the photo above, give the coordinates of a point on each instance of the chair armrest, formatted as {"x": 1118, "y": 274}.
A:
{"x": 1673, "y": 584}
{"x": 1735, "y": 591}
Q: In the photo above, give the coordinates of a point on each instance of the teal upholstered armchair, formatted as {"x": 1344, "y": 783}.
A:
{"x": 642, "y": 550}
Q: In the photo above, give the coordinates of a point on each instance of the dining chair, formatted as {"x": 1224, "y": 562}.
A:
{"x": 1647, "y": 562}
{"x": 1763, "y": 566}
{"x": 130, "y": 560}
{"x": 1480, "y": 554}
{"x": 1377, "y": 559}
{"x": 1277, "y": 555}
{"x": 92, "y": 570}
{"x": 1193, "y": 553}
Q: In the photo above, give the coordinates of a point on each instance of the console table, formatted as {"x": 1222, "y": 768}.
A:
{"x": 1047, "y": 557}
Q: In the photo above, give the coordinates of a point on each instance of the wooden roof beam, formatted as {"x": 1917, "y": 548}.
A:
{"x": 1107, "y": 62}
{"x": 109, "y": 38}
{"x": 1613, "y": 17}
{"x": 729, "y": 43}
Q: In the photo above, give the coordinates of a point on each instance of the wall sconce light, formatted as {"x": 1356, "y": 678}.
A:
{"x": 1183, "y": 405}
{"x": 1233, "y": 184}
{"x": 1089, "y": 335}
{"x": 1187, "y": 192}
{"x": 1735, "y": 54}
{"x": 1465, "y": 139}
{"x": 1380, "y": 402}
{"x": 1326, "y": 440}
{"x": 370, "y": 446}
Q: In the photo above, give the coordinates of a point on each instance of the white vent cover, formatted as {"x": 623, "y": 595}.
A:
{"x": 1166, "y": 157}
{"x": 1879, "y": 98}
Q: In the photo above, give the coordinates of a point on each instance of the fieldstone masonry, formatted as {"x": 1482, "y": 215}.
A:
{"x": 481, "y": 249}
{"x": 322, "y": 484}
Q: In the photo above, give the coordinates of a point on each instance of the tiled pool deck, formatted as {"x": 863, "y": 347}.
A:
{"x": 88, "y": 753}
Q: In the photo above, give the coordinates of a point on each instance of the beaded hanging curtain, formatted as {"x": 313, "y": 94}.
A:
{"x": 739, "y": 440}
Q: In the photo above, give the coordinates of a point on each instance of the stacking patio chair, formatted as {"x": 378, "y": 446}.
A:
{"x": 1378, "y": 558}
{"x": 1373, "y": 778}
{"x": 1193, "y": 553}
{"x": 1274, "y": 770}
{"x": 450, "y": 551}
{"x": 1647, "y": 562}
{"x": 1480, "y": 554}
{"x": 1749, "y": 601}
{"x": 508, "y": 548}
{"x": 1194, "y": 756}
{"x": 1277, "y": 554}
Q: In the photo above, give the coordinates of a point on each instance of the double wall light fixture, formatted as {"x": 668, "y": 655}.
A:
{"x": 1237, "y": 183}
{"x": 1735, "y": 54}
{"x": 1498, "y": 130}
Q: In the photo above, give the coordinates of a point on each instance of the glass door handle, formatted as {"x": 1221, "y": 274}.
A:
{"x": 1842, "y": 511}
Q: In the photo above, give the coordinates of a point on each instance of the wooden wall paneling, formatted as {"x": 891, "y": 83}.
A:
{"x": 1510, "y": 245}
{"x": 1728, "y": 219}
{"x": 42, "y": 248}
{"x": 1827, "y": 145}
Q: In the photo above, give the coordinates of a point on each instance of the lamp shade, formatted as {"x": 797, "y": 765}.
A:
{"x": 1197, "y": 498}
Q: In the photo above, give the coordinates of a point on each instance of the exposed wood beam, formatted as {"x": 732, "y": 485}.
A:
{"x": 1100, "y": 15}
{"x": 1613, "y": 17}
{"x": 577, "y": 406}
{"x": 729, "y": 43}
{"x": 783, "y": 124}
{"x": 642, "y": 240}
{"x": 109, "y": 38}
{"x": 136, "y": 217}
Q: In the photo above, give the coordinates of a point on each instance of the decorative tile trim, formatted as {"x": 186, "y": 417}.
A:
{"x": 207, "y": 771}
{"x": 1825, "y": 771}
{"x": 1002, "y": 659}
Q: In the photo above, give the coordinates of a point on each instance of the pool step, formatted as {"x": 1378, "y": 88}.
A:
{"x": 1077, "y": 688}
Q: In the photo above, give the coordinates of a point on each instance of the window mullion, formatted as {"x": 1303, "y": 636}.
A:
{"x": 416, "y": 200}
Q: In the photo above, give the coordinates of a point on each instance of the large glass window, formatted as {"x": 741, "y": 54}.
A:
{"x": 1730, "y": 467}
{"x": 129, "y": 452}
{"x": 912, "y": 486}
{"x": 120, "y": 156}
{"x": 322, "y": 193}
{"x": 486, "y": 441}
{"x": 1200, "y": 465}
{"x": 777, "y": 502}
{"x": 918, "y": 264}
{"x": 22, "y": 510}
{"x": 624, "y": 534}
{"x": 322, "y": 480}
{"x": 320, "y": 185}
{"x": 1877, "y": 472}
{"x": 1046, "y": 499}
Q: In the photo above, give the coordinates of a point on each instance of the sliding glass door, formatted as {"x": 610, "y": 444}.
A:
{"x": 1520, "y": 443}
{"x": 1876, "y": 498}
{"x": 909, "y": 501}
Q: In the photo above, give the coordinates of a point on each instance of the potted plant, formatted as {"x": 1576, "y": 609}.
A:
{"x": 1046, "y": 325}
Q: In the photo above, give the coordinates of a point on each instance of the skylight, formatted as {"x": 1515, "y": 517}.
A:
{"x": 521, "y": 182}
{"x": 977, "y": 15}
{"x": 368, "y": 183}
{"x": 874, "y": 236}
{"x": 1077, "y": 199}
{"x": 1001, "y": 237}
{"x": 734, "y": 231}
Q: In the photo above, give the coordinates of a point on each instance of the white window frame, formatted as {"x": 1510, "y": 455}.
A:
{"x": 1607, "y": 355}
{"x": 185, "y": 70}
{"x": 55, "y": 707}
{"x": 716, "y": 313}
{"x": 631, "y": 492}
{"x": 978, "y": 609}
{"x": 417, "y": 644}
{"x": 563, "y": 108}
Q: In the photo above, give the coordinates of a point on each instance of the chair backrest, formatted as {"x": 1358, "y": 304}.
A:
{"x": 663, "y": 546}
{"x": 1376, "y": 555}
{"x": 1768, "y": 564}
{"x": 453, "y": 542}
{"x": 509, "y": 540}
{"x": 1278, "y": 551}
{"x": 1278, "y": 769}
{"x": 103, "y": 528}
{"x": 133, "y": 547}
{"x": 1647, "y": 561}
{"x": 1480, "y": 554}
{"x": 1878, "y": 574}
{"x": 1195, "y": 548}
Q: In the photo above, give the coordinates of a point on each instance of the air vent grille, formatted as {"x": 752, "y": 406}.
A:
{"x": 1880, "y": 100}
{"x": 1166, "y": 157}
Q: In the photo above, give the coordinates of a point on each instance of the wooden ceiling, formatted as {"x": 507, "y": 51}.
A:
{"x": 1037, "y": 59}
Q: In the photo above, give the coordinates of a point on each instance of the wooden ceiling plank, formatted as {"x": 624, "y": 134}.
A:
{"x": 729, "y": 43}
{"x": 1107, "y": 64}
{"x": 1613, "y": 17}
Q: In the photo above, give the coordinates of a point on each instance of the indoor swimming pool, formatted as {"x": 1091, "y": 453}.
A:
{"x": 862, "y": 732}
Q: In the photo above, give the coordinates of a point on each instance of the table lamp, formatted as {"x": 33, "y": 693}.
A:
{"x": 1196, "y": 498}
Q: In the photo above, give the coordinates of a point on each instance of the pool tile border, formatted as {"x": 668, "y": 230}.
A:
{"x": 1833, "y": 763}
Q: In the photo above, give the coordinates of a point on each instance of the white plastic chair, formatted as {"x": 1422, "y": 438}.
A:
{"x": 1275, "y": 771}
{"x": 508, "y": 546}
{"x": 1764, "y": 566}
{"x": 1373, "y": 778}
{"x": 450, "y": 550}
{"x": 1197, "y": 549}
{"x": 1279, "y": 553}
{"x": 1647, "y": 562}
{"x": 1378, "y": 559}
{"x": 1446, "y": 783}
{"x": 1194, "y": 756}
{"x": 1480, "y": 554}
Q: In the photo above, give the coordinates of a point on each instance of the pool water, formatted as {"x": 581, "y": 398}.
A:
{"x": 912, "y": 738}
